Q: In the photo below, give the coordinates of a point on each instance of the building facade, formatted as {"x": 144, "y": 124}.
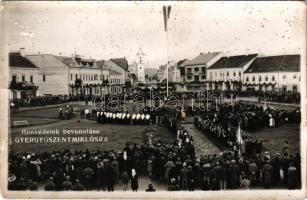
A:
{"x": 227, "y": 72}
{"x": 274, "y": 73}
{"x": 195, "y": 70}
{"x": 64, "y": 75}
{"x": 24, "y": 76}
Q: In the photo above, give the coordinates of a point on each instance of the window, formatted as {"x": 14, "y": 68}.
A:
{"x": 189, "y": 70}
{"x": 221, "y": 75}
{"x": 227, "y": 74}
{"x": 76, "y": 76}
{"x": 273, "y": 78}
{"x": 31, "y": 79}
{"x": 44, "y": 78}
{"x": 253, "y": 78}
{"x": 260, "y": 78}
{"x": 203, "y": 70}
{"x": 266, "y": 78}
{"x": 239, "y": 73}
{"x": 234, "y": 74}
{"x": 189, "y": 77}
{"x": 71, "y": 77}
{"x": 101, "y": 77}
{"x": 294, "y": 76}
{"x": 196, "y": 69}
{"x": 23, "y": 78}
{"x": 284, "y": 76}
{"x": 14, "y": 78}
{"x": 215, "y": 74}
{"x": 294, "y": 88}
{"x": 247, "y": 79}
{"x": 203, "y": 76}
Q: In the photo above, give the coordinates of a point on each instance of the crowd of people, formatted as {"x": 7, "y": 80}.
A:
{"x": 175, "y": 164}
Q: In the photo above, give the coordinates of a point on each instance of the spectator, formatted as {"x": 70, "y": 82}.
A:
{"x": 150, "y": 188}
{"x": 134, "y": 181}
{"x": 77, "y": 186}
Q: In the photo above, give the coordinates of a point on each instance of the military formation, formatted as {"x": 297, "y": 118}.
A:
{"x": 123, "y": 118}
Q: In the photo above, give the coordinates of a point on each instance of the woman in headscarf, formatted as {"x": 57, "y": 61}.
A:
{"x": 134, "y": 181}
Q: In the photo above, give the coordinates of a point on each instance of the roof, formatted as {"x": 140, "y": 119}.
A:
{"x": 122, "y": 62}
{"x": 65, "y": 59}
{"x": 202, "y": 59}
{"x": 286, "y": 63}
{"x": 48, "y": 61}
{"x": 181, "y": 63}
{"x": 232, "y": 61}
{"x": 114, "y": 72}
{"x": 17, "y": 60}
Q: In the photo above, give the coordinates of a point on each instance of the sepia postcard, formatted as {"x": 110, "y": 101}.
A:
{"x": 153, "y": 100}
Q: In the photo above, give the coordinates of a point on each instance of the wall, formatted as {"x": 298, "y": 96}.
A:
{"x": 56, "y": 73}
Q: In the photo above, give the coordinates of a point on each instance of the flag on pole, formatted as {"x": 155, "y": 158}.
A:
{"x": 166, "y": 14}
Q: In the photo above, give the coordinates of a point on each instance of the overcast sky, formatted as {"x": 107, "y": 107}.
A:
{"x": 109, "y": 30}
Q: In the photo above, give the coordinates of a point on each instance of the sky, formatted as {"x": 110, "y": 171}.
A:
{"x": 104, "y": 30}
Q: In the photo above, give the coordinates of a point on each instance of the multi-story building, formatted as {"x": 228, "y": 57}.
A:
{"x": 24, "y": 76}
{"x": 119, "y": 76}
{"x": 86, "y": 76}
{"x": 196, "y": 69}
{"x": 227, "y": 72}
{"x": 274, "y": 73}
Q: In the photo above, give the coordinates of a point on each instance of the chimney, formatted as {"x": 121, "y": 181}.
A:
{"x": 22, "y": 51}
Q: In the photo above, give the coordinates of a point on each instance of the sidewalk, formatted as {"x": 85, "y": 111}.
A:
{"x": 52, "y": 106}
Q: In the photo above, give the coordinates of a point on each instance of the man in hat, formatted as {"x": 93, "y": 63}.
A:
{"x": 67, "y": 184}
{"x": 77, "y": 186}
{"x": 50, "y": 186}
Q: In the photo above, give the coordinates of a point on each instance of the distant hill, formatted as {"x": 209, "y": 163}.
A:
{"x": 151, "y": 71}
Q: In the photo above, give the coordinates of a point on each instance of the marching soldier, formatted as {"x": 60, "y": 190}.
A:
{"x": 147, "y": 119}
{"x": 143, "y": 119}
{"x": 98, "y": 117}
{"x": 128, "y": 119}
{"x": 138, "y": 117}
{"x": 133, "y": 119}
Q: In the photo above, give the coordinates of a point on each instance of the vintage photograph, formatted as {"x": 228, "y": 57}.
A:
{"x": 154, "y": 96}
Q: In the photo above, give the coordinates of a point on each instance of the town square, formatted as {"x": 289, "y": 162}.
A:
{"x": 123, "y": 98}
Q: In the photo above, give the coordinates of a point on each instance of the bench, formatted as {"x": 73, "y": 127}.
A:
{"x": 21, "y": 123}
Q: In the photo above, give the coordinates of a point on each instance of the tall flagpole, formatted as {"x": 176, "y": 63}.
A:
{"x": 166, "y": 14}
{"x": 167, "y": 63}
